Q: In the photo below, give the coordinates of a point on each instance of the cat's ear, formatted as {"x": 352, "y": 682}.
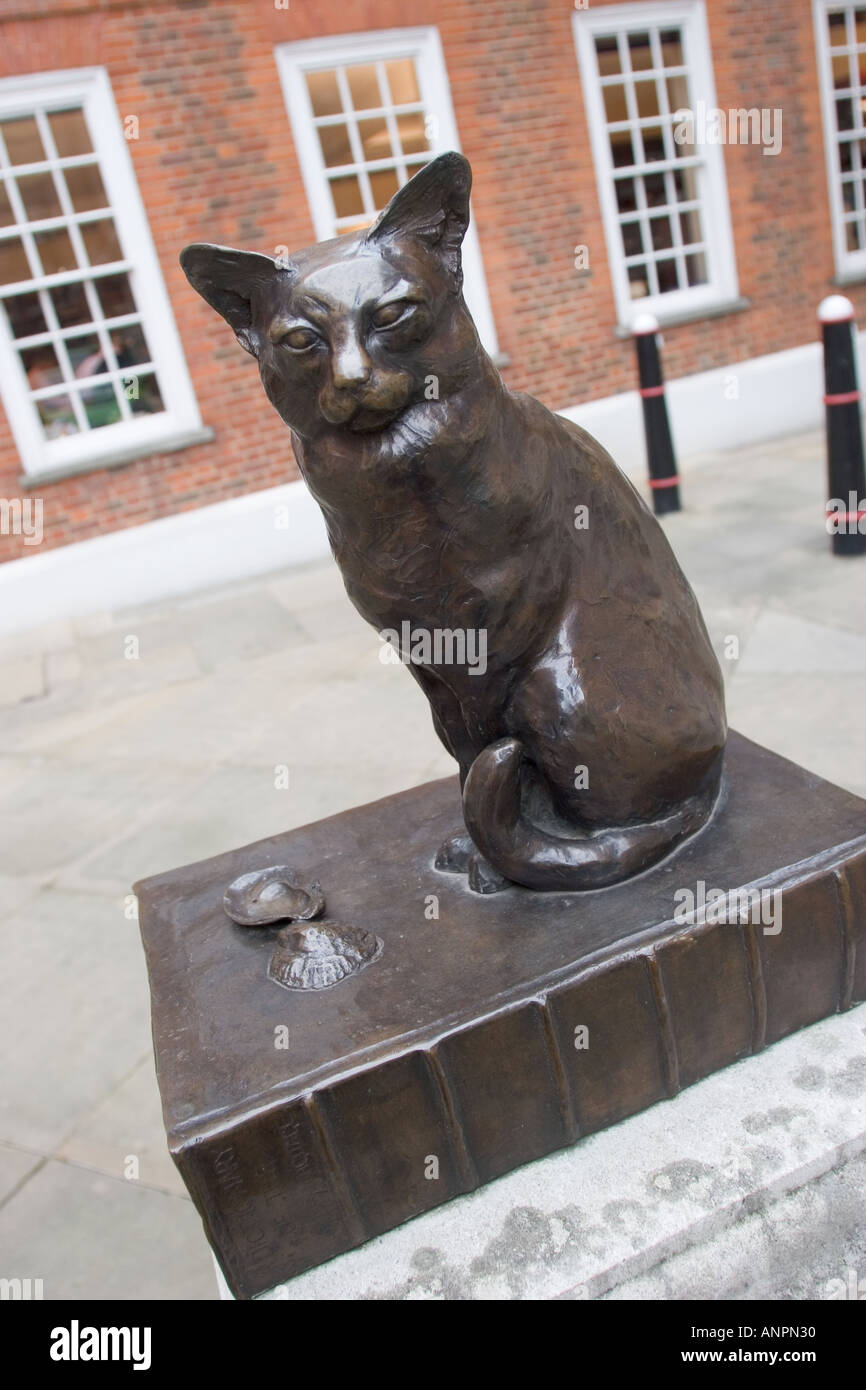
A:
{"x": 228, "y": 280}
{"x": 433, "y": 207}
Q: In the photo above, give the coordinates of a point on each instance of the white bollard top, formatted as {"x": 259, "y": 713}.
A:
{"x": 835, "y": 309}
{"x": 648, "y": 323}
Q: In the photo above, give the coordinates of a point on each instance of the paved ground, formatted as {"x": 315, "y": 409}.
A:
{"x": 116, "y": 765}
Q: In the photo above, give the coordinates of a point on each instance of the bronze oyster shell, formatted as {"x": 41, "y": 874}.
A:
{"x": 321, "y": 954}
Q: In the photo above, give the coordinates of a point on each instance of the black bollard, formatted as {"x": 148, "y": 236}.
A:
{"x": 661, "y": 460}
{"x": 846, "y": 505}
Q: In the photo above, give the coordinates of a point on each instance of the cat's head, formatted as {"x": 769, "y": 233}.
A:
{"x": 349, "y": 334}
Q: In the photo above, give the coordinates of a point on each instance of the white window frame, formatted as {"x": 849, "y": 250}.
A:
{"x": 180, "y": 422}
{"x": 722, "y": 288}
{"x": 423, "y": 44}
{"x": 850, "y": 265}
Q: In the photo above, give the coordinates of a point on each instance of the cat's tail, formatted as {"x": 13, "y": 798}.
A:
{"x": 538, "y": 859}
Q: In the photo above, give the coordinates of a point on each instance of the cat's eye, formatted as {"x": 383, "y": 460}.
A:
{"x": 299, "y": 339}
{"x": 392, "y": 313}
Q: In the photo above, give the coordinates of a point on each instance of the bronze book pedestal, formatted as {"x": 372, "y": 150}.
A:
{"x": 502, "y": 1029}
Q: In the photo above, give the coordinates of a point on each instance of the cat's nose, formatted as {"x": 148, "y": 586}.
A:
{"x": 350, "y": 366}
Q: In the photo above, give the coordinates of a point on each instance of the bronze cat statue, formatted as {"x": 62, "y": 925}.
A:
{"x": 592, "y": 741}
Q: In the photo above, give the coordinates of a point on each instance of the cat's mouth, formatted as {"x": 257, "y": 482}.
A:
{"x": 366, "y": 421}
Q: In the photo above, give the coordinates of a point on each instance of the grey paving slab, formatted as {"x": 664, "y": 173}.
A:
{"x": 15, "y": 1166}
{"x": 783, "y": 644}
{"x": 126, "y": 1124}
{"x": 817, "y": 721}
{"x": 78, "y": 1018}
{"x": 21, "y": 678}
{"x": 231, "y": 631}
{"x": 94, "y": 1237}
{"x": 65, "y": 808}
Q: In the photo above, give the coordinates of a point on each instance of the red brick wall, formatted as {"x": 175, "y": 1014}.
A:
{"x": 215, "y": 161}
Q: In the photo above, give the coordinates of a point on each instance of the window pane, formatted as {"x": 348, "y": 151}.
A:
{"x": 100, "y": 406}
{"x": 836, "y": 24}
{"x": 403, "y": 81}
{"x": 130, "y": 346}
{"x": 324, "y": 93}
{"x": 23, "y": 141}
{"x": 621, "y": 148}
{"x": 845, "y": 114}
{"x": 626, "y": 195}
{"x": 614, "y": 103}
{"x": 852, "y": 236}
{"x": 662, "y": 233}
{"x": 57, "y": 416}
{"x": 632, "y": 239}
{"x": 678, "y": 93}
{"x": 848, "y": 198}
{"x": 640, "y": 51}
{"x": 690, "y": 227}
{"x": 115, "y": 295}
{"x": 637, "y": 281}
{"x": 696, "y": 268}
{"x": 383, "y": 186}
{"x": 653, "y": 144}
{"x": 846, "y": 162}
{"x": 85, "y": 188}
{"x": 686, "y": 184}
{"x": 13, "y": 262}
{"x": 841, "y": 71}
{"x": 101, "y": 243}
{"x": 336, "y": 148}
{"x": 41, "y": 366}
{"x": 85, "y": 354}
{"x": 7, "y": 217}
{"x": 647, "y": 98}
{"x": 364, "y": 86}
{"x": 375, "y": 139}
{"x": 607, "y": 52}
{"x": 667, "y": 273}
{"x": 346, "y": 193}
{"x": 70, "y": 132}
{"x": 655, "y": 190}
{"x": 413, "y": 137}
{"x": 70, "y": 305}
{"x": 39, "y": 196}
{"x": 25, "y": 315}
{"x": 672, "y": 48}
{"x": 55, "y": 251}
{"x": 149, "y": 400}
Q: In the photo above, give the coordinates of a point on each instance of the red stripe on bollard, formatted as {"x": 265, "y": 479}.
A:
{"x": 845, "y": 398}
{"x": 664, "y": 482}
{"x": 647, "y": 391}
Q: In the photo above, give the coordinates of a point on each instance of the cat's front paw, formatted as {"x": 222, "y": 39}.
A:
{"x": 483, "y": 878}
{"x": 455, "y": 854}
